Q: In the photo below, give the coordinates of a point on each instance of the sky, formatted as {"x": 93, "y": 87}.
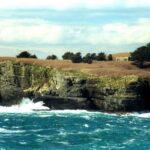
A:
{"x": 45, "y": 27}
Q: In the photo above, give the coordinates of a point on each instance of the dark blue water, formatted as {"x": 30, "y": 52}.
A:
{"x": 73, "y": 131}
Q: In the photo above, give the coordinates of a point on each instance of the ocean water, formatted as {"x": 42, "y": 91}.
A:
{"x": 22, "y": 128}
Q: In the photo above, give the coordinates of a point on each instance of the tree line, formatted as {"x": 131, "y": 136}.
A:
{"x": 74, "y": 57}
{"x": 139, "y": 56}
{"x": 88, "y": 58}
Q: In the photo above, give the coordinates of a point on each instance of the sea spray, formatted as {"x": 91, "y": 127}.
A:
{"x": 26, "y": 105}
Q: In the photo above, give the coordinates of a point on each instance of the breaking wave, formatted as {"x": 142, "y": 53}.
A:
{"x": 26, "y": 105}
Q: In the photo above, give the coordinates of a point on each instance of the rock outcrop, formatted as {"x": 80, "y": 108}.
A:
{"x": 71, "y": 89}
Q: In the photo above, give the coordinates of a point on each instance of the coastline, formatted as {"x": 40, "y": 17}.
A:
{"x": 62, "y": 89}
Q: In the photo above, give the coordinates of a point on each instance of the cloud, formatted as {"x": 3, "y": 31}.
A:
{"x": 37, "y": 33}
{"x": 112, "y": 34}
{"x": 69, "y": 4}
{"x": 121, "y": 33}
{"x": 56, "y": 4}
{"x": 26, "y": 30}
{"x": 138, "y": 3}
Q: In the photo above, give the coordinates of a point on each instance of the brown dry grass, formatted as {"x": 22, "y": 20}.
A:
{"x": 96, "y": 68}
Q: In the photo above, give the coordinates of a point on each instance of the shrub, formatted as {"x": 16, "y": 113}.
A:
{"x": 33, "y": 56}
{"x": 52, "y": 57}
{"x": 93, "y": 56}
{"x": 88, "y": 58}
{"x": 76, "y": 58}
{"x": 68, "y": 56}
{"x": 24, "y": 54}
{"x": 101, "y": 57}
{"x": 110, "y": 58}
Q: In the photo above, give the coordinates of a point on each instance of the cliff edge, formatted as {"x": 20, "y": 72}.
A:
{"x": 72, "y": 89}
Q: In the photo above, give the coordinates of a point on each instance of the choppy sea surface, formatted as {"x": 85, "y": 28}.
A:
{"x": 22, "y": 128}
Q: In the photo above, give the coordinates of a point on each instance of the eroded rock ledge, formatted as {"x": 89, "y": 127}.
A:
{"x": 71, "y": 89}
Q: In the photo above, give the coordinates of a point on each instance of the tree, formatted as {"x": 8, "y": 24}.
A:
{"x": 93, "y": 56}
{"x": 110, "y": 57}
{"x": 68, "y": 56}
{"x": 76, "y": 58}
{"x": 33, "y": 56}
{"x": 101, "y": 57}
{"x": 24, "y": 54}
{"x": 148, "y": 45}
{"x": 88, "y": 58}
{"x": 140, "y": 55}
{"x": 52, "y": 57}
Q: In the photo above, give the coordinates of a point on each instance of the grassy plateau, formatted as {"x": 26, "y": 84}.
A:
{"x": 97, "y": 68}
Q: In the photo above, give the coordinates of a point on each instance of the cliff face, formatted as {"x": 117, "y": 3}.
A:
{"x": 72, "y": 90}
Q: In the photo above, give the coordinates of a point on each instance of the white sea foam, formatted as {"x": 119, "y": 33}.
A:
{"x": 86, "y": 125}
{"x": 26, "y": 105}
{"x": 143, "y": 115}
{"x": 2, "y": 130}
{"x": 69, "y": 111}
{"x": 23, "y": 143}
{"x": 139, "y": 114}
{"x": 129, "y": 141}
{"x": 86, "y": 117}
{"x": 64, "y": 142}
{"x": 5, "y": 120}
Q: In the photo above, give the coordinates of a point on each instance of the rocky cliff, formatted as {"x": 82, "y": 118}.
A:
{"x": 72, "y": 89}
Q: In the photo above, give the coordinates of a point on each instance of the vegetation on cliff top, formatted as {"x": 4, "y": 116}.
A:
{"x": 97, "y": 68}
{"x": 141, "y": 55}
